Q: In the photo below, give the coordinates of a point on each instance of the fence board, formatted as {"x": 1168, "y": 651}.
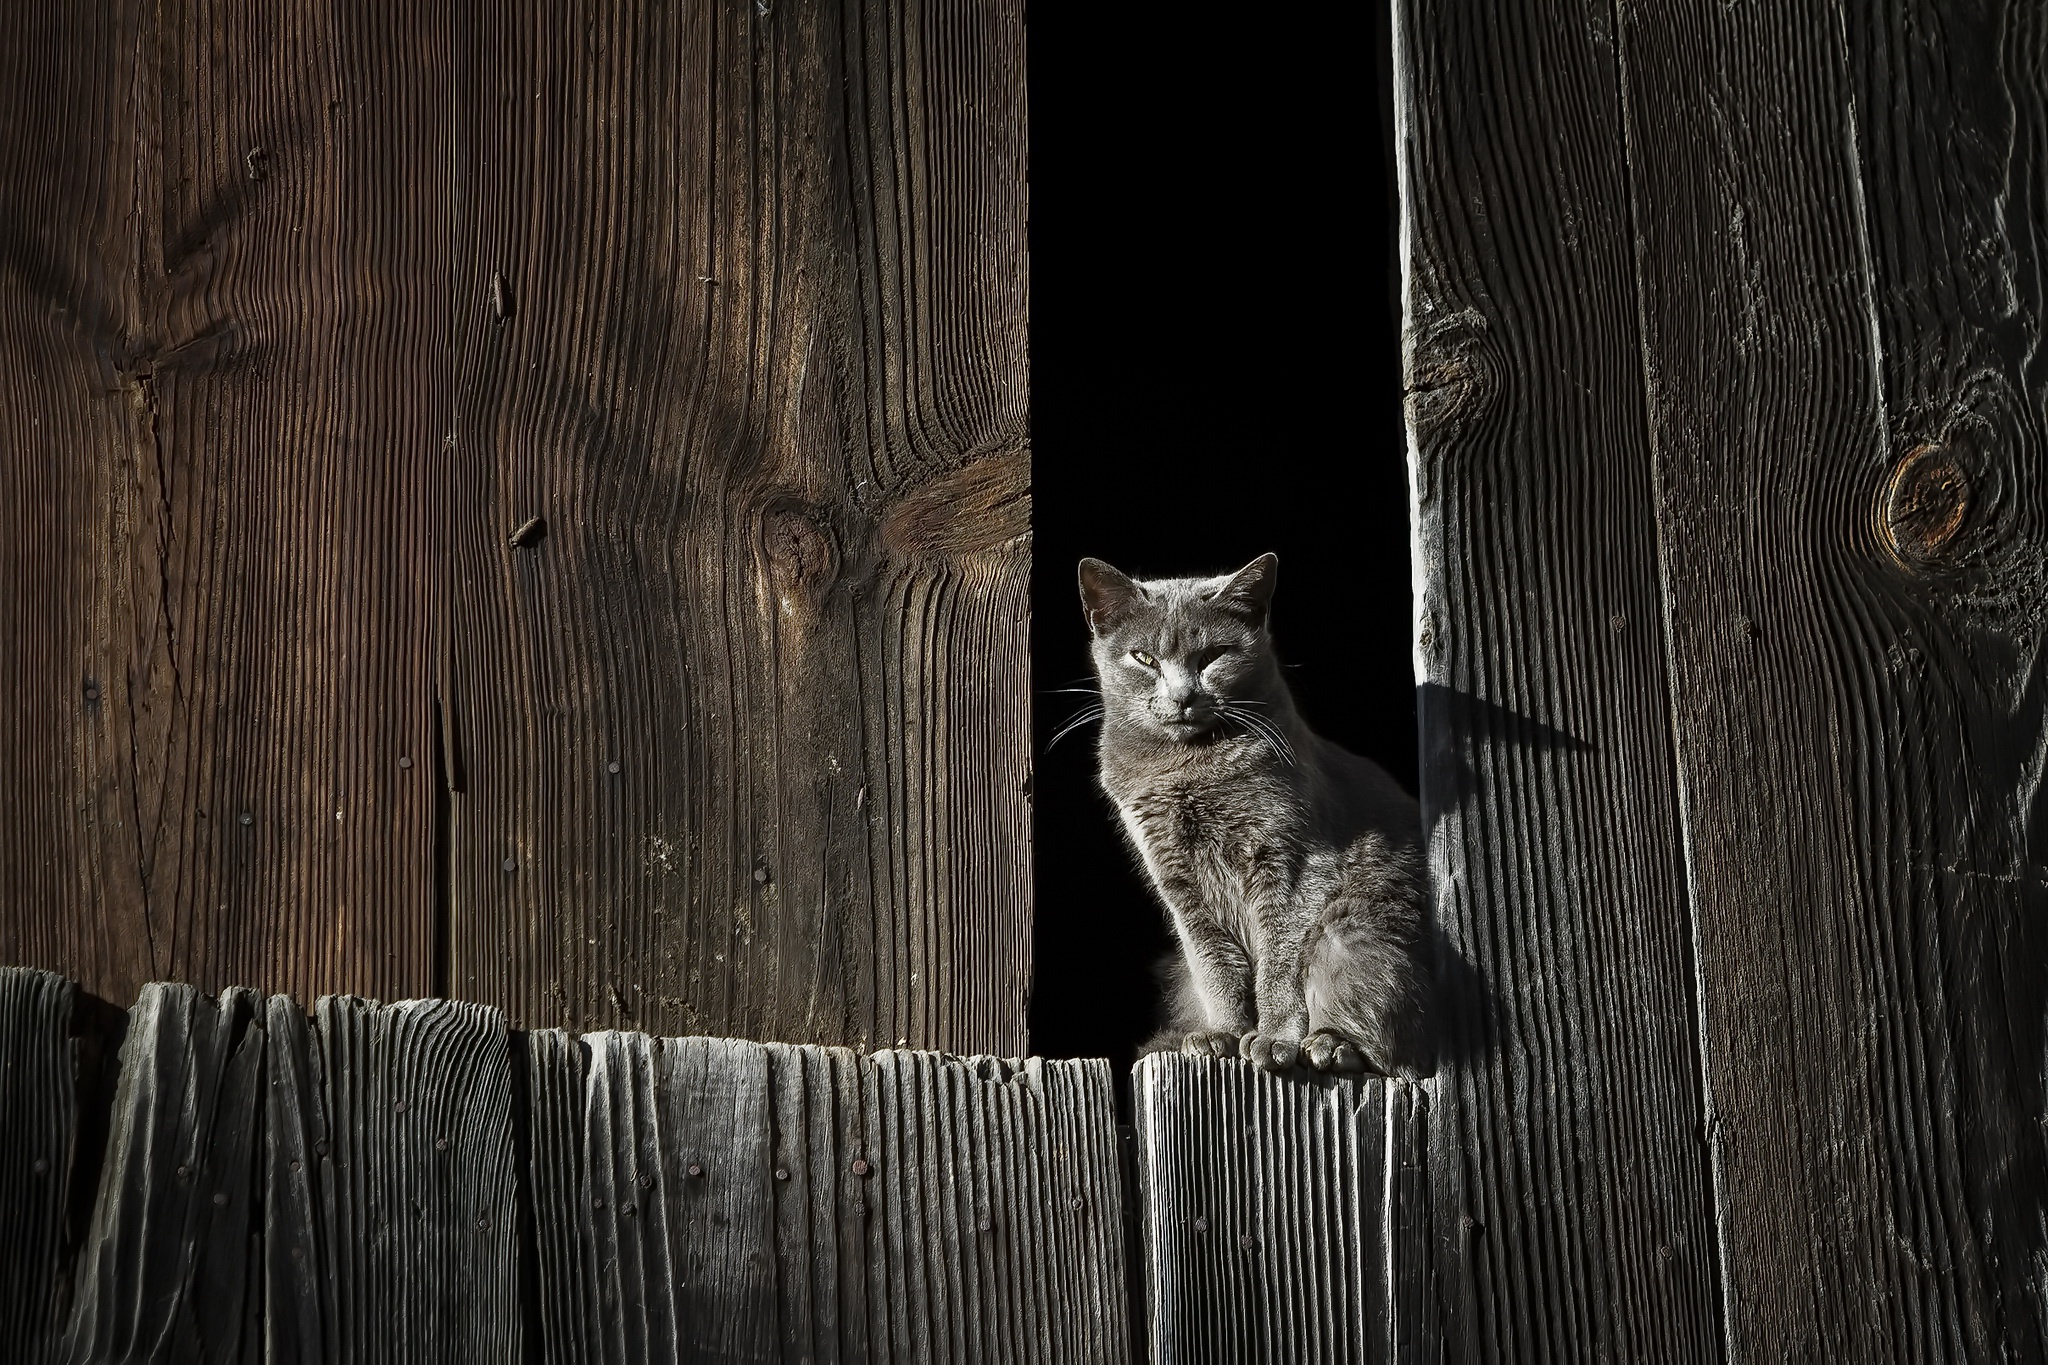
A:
{"x": 167, "y": 1263}
{"x": 1573, "y": 1196}
{"x": 215, "y": 517}
{"x": 306, "y": 310}
{"x": 417, "y": 1182}
{"x": 760, "y": 371}
{"x": 38, "y": 1143}
{"x": 1843, "y": 306}
{"x": 1267, "y": 1205}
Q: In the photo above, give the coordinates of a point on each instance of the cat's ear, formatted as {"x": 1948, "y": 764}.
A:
{"x": 1249, "y": 593}
{"x": 1107, "y": 595}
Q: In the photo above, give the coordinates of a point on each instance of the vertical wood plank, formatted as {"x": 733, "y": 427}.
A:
{"x": 1274, "y": 1226}
{"x": 902, "y": 1207}
{"x": 418, "y": 1182}
{"x": 740, "y": 318}
{"x": 714, "y": 1098}
{"x": 565, "y": 1252}
{"x": 1842, "y": 244}
{"x": 298, "y": 1309}
{"x": 67, "y": 853}
{"x": 38, "y": 1146}
{"x": 1573, "y": 1198}
{"x": 168, "y": 1263}
{"x": 226, "y": 528}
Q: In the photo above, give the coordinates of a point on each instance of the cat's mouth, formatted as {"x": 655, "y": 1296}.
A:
{"x": 1189, "y": 725}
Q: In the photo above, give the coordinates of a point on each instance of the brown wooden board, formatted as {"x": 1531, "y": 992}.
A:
{"x": 1842, "y": 217}
{"x": 740, "y": 322}
{"x": 1266, "y": 1208}
{"x": 308, "y": 314}
{"x": 38, "y": 1149}
{"x": 222, "y": 224}
{"x": 1573, "y": 1200}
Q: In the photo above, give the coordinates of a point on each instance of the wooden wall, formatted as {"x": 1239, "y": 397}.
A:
{"x": 1726, "y": 397}
{"x": 526, "y": 502}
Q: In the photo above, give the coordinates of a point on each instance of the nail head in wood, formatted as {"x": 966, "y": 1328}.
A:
{"x": 860, "y": 1166}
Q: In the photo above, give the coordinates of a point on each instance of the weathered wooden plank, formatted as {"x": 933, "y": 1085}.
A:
{"x": 1264, "y": 1207}
{"x": 1842, "y": 244}
{"x": 214, "y": 512}
{"x": 750, "y": 1202}
{"x": 38, "y": 1146}
{"x": 418, "y": 1182}
{"x": 740, "y": 318}
{"x": 298, "y": 1309}
{"x": 566, "y": 1261}
{"x": 169, "y": 1266}
{"x": 1573, "y": 1199}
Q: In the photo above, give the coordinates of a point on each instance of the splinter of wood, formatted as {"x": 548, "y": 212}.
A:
{"x": 529, "y": 533}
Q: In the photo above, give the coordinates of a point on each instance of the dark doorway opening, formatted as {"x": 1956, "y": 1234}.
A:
{"x": 1215, "y": 373}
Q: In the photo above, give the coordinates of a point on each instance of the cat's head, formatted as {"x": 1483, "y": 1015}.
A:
{"x": 1177, "y": 656}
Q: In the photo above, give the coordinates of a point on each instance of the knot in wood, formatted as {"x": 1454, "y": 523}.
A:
{"x": 802, "y": 559}
{"x": 1924, "y": 507}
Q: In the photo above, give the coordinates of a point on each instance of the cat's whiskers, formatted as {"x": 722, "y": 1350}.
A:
{"x": 1086, "y": 715}
{"x": 1261, "y": 726}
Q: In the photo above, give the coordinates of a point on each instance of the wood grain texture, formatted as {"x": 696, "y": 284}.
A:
{"x": 222, "y": 237}
{"x": 722, "y": 1200}
{"x": 1573, "y": 1198}
{"x": 38, "y": 1146}
{"x": 417, "y": 1182}
{"x": 741, "y": 320}
{"x": 167, "y": 1269}
{"x": 1842, "y": 229}
{"x": 419, "y": 1186}
{"x": 1284, "y": 1219}
{"x": 718, "y": 310}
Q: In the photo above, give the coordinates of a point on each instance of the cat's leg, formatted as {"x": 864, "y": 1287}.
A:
{"x": 1218, "y": 986}
{"x": 1367, "y": 988}
{"x": 1275, "y": 1042}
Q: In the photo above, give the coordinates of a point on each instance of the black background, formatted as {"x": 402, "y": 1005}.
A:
{"x": 1215, "y": 373}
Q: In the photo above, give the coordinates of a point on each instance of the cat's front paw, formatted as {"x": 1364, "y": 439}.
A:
{"x": 1267, "y": 1052}
{"x": 1329, "y": 1051}
{"x": 1210, "y": 1043}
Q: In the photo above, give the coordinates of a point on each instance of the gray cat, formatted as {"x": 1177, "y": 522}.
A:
{"x": 1292, "y": 869}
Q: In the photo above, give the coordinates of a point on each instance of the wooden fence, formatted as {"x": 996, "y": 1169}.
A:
{"x": 1731, "y": 501}
{"x": 419, "y": 1182}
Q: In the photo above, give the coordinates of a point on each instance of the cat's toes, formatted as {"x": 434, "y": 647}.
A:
{"x": 1210, "y": 1043}
{"x": 1332, "y": 1052}
{"x": 1267, "y": 1052}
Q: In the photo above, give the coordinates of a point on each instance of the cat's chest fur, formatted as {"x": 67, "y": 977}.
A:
{"x": 1217, "y": 845}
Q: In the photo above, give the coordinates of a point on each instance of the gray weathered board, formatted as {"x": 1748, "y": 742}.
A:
{"x": 1726, "y": 393}
{"x": 1285, "y": 1220}
{"x": 417, "y": 1182}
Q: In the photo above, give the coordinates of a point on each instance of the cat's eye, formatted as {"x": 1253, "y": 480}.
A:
{"x": 1146, "y": 659}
